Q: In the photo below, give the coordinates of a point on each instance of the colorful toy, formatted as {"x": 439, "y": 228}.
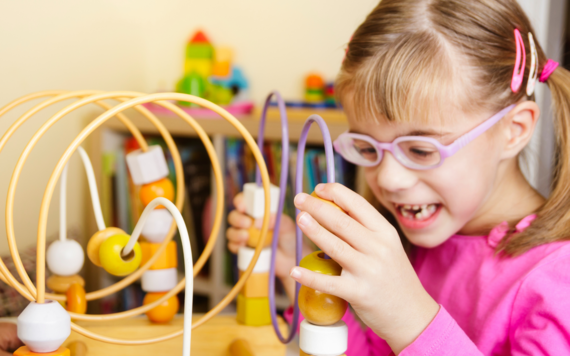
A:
{"x": 45, "y": 325}
{"x": 314, "y": 89}
{"x": 209, "y": 73}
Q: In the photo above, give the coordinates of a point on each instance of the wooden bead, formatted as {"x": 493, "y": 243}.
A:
{"x": 256, "y": 286}
{"x": 161, "y": 188}
{"x": 164, "y": 312}
{"x": 317, "y": 307}
{"x": 320, "y": 308}
{"x": 76, "y": 302}
{"x": 25, "y": 351}
{"x": 111, "y": 257}
{"x": 168, "y": 259}
{"x": 77, "y": 348}
{"x": 65, "y": 258}
{"x": 60, "y": 284}
{"x": 253, "y": 311}
{"x": 313, "y": 194}
{"x": 255, "y": 237}
{"x": 97, "y": 239}
{"x": 241, "y": 347}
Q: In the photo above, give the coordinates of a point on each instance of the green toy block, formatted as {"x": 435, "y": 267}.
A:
{"x": 253, "y": 311}
{"x": 204, "y": 51}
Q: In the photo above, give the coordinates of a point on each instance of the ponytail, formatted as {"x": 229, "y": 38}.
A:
{"x": 553, "y": 218}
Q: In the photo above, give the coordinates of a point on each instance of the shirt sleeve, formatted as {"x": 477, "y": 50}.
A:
{"x": 361, "y": 342}
{"x": 540, "y": 321}
{"x": 442, "y": 337}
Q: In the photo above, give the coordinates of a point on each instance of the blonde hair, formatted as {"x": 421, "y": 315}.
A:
{"x": 410, "y": 56}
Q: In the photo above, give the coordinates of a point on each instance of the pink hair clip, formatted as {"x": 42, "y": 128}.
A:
{"x": 518, "y": 74}
{"x": 549, "y": 68}
{"x": 533, "y": 75}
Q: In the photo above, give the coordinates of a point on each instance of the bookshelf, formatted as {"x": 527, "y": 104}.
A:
{"x": 108, "y": 137}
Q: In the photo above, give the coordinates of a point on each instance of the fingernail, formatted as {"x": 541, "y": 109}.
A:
{"x": 305, "y": 220}
{"x": 320, "y": 187}
{"x": 295, "y": 273}
{"x": 300, "y": 198}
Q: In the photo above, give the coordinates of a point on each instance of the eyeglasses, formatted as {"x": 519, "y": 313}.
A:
{"x": 414, "y": 152}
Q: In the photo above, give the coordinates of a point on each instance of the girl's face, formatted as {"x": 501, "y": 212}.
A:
{"x": 432, "y": 205}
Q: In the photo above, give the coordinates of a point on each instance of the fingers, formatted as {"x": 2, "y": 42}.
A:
{"x": 239, "y": 220}
{"x": 239, "y": 203}
{"x": 336, "y": 248}
{"x": 236, "y": 238}
{"x": 355, "y": 205}
{"x": 323, "y": 283}
{"x": 334, "y": 220}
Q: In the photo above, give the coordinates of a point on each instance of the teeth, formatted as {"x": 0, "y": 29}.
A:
{"x": 424, "y": 207}
{"x": 416, "y": 207}
{"x": 418, "y": 212}
{"x": 405, "y": 213}
{"x": 432, "y": 208}
{"x": 407, "y": 207}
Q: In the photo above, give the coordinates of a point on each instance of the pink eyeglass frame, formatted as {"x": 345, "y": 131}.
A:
{"x": 444, "y": 151}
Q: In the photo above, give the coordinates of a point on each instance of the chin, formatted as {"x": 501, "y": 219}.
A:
{"x": 425, "y": 240}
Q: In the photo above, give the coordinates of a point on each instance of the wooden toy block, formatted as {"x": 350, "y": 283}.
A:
{"x": 253, "y": 311}
{"x": 168, "y": 259}
{"x": 25, "y": 351}
{"x": 212, "y": 338}
{"x": 256, "y": 286}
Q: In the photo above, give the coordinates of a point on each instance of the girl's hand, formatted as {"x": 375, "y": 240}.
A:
{"x": 377, "y": 279}
{"x": 238, "y": 235}
{"x": 9, "y": 341}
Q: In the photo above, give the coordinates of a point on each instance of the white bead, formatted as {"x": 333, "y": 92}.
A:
{"x": 159, "y": 280}
{"x": 157, "y": 225}
{"x": 147, "y": 167}
{"x": 65, "y": 258}
{"x": 245, "y": 255}
{"x": 331, "y": 340}
{"x": 255, "y": 199}
{"x": 44, "y": 327}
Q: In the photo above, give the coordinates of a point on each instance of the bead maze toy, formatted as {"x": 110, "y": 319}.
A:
{"x": 44, "y": 326}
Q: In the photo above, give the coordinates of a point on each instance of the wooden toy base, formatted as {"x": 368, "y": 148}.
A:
{"x": 212, "y": 339}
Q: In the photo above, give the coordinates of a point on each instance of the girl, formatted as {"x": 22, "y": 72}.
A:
{"x": 438, "y": 116}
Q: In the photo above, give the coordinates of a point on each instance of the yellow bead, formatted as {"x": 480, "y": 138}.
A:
{"x": 76, "y": 302}
{"x": 168, "y": 259}
{"x": 25, "y": 351}
{"x": 97, "y": 239}
{"x": 313, "y": 194}
{"x": 253, "y": 311}
{"x": 111, "y": 259}
{"x": 321, "y": 308}
{"x": 60, "y": 284}
{"x": 241, "y": 347}
{"x": 165, "y": 311}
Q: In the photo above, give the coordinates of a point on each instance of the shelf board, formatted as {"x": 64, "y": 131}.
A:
{"x": 335, "y": 119}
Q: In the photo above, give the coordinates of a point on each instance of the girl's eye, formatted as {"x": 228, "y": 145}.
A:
{"x": 423, "y": 153}
{"x": 365, "y": 150}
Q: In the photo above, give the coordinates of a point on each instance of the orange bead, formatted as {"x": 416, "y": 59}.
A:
{"x": 60, "y": 284}
{"x": 168, "y": 259}
{"x": 24, "y": 351}
{"x": 161, "y": 188}
{"x": 255, "y": 237}
{"x": 164, "y": 312}
{"x": 256, "y": 286}
{"x": 97, "y": 239}
{"x": 76, "y": 301}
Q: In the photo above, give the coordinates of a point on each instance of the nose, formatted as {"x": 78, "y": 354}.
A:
{"x": 392, "y": 176}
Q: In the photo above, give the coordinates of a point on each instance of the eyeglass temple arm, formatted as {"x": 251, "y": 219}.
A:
{"x": 476, "y": 132}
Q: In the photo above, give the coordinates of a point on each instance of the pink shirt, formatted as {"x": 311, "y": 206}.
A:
{"x": 490, "y": 305}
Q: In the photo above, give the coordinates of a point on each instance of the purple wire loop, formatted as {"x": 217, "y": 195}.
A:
{"x": 283, "y": 189}
{"x": 301, "y": 158}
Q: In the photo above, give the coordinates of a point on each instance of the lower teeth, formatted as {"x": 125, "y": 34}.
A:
{"x": 425, "y": 212}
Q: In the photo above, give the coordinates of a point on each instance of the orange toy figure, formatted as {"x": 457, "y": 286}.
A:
{"x": 165, "y": 311}
{"x": 160, "y": 188}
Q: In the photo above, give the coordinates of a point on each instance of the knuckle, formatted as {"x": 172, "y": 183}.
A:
{"x": 343, "y": 222}
{"x": 338, "y": 248}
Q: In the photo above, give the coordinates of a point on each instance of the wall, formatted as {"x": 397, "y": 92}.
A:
{"x": 138, "y": 45}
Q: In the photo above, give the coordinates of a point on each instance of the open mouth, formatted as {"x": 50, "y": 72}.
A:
{"x": 417, "y": 216}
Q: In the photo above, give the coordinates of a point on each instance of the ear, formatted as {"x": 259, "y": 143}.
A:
{"x": 519, "y": 126}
